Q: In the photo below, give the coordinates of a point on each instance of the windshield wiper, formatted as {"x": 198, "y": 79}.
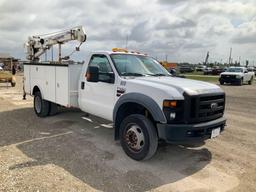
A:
{"x": 159, "y": 74}
{"x": 132, "y": 74}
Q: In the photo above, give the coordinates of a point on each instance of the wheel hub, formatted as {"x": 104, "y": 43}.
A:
{"x": 135, "y": 138}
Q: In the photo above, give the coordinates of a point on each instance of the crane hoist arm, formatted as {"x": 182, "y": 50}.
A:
{"x": 38, "y": 45}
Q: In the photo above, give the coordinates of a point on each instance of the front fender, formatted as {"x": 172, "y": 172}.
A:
{"x": 142, "y": 100}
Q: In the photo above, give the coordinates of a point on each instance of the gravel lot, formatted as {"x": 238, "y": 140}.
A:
{"x": 72, "y": 152}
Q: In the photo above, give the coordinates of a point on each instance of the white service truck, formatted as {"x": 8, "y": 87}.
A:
{"x": 236, "y": 75}
{"x": 145, "y": 103}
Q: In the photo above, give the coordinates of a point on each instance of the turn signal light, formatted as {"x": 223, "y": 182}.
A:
{"x": 172, "y": 104}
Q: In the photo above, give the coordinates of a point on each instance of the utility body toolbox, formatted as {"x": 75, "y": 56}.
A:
{"x": 57, "y": 82}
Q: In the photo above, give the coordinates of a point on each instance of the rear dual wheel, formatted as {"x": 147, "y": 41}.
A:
{"x": 43, "y": 107}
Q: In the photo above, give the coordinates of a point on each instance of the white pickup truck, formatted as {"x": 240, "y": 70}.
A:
{"x": 236, "y": 75}
{"x": 145, "y": 103}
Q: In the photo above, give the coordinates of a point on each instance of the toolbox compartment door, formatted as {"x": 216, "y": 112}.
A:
{"x": 62, "y": 86}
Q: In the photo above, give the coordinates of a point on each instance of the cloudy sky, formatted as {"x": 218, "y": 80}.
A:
{"x": 182, "y": 29}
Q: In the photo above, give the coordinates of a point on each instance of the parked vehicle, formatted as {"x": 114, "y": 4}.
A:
{"x": 200, "y": 68}
{"x": 213, "y": 71}
{"x": 236, "y": 75}
{"x": 207, "y": 71}
{"x": 7, "y": 77}
{"x": 252, "y": 69}
{"x": 145, "y": 102}
{"x": 185, "y": 69}
{"x": 217, "y": 71}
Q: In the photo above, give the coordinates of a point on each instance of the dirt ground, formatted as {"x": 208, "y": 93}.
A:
{"x": 72, "y": 152}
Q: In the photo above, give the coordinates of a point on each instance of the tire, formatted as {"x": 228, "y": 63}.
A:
{"x": 41, "y": 106}
{"x": 221, "y": 82}
{"x": 250, "y": 82}
{"x": 13, "y": 81}
{"x": 240, "y": 82}
{"x": 13, "y": 84}
{"x": 138, "y": 137}
{"x": 53, "y": 109}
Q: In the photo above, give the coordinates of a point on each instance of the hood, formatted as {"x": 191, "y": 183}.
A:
{"x": 231, "y": 73}
{"x": 191, "y": 87}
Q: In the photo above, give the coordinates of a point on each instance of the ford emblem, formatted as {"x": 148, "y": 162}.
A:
{"x": 214, "y": 106}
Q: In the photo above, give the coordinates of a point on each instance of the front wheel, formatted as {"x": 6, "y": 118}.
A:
{"x": 240, "y": 82}
{"x": 139, "y": 139}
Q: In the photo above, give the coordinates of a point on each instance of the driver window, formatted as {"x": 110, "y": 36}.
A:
{"x": 105, "y": 69}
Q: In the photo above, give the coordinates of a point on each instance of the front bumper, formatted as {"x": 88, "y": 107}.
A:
{"x": 183, "y": 133}
{"x": 230, "y": 80}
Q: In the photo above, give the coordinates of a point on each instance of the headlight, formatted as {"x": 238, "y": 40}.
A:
{"x": 173, "y": 110}
{"x": 238, "y": 76}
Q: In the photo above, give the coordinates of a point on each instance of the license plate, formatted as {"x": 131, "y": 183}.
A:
{"x": 215, "y": 132}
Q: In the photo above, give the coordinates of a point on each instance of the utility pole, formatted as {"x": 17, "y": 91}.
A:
{"x": 246, "y": 63}
{"x": 230, "y": 59}
{"x": 166, "y": 58}
{"x": 206, "y": 59}
{"x": 126, "y": 42}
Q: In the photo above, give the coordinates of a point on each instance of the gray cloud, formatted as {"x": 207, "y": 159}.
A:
{"x": 140, "y": 32}
{"x": 245, "y": 33}
{"x": 250, "y": 39}
{"x": 181, "y": 28}
{"x": 166, "y": 23}
{"x": 171, "y": 1}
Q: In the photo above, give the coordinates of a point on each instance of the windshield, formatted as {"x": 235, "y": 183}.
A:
{"x": 137, "y": 65}
{"x": 232, "y": 69}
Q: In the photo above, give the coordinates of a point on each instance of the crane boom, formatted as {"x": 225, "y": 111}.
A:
{"x": 38, "y": 45}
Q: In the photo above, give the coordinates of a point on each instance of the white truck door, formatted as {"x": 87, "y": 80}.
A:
{"x": 97, "y": 98}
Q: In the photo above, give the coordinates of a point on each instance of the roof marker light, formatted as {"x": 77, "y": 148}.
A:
{"x": 120, "y": 50}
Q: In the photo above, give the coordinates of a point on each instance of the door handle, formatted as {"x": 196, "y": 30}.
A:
{"x": 82, "y": 85}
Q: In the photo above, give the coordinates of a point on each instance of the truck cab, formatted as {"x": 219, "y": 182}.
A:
{"x": 144, "y": 101}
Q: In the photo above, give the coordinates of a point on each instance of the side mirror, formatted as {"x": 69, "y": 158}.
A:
{"x": 92, "y": 74}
